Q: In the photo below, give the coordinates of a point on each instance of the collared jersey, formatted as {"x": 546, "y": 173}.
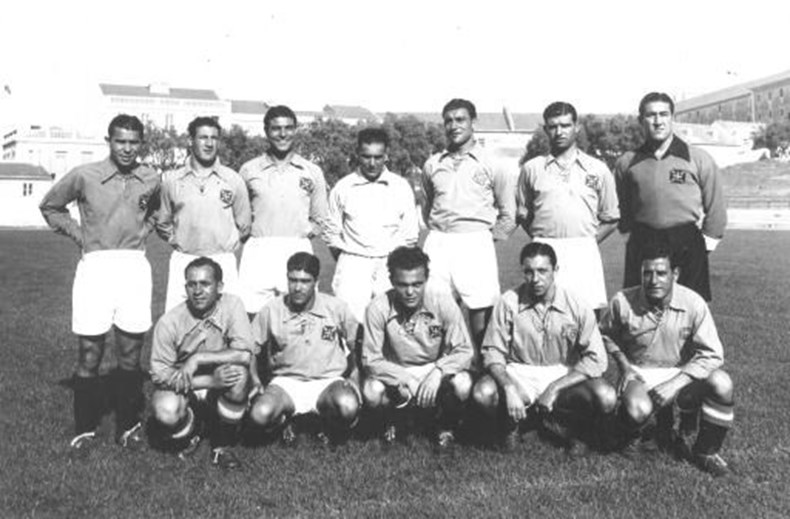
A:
{"x": 466, "y": 193}
{"x": 285, "y": 198}
{"x": 566, "y": 334}
{"x": 683, "y": 186}
{"x": 204, "y": 216}
{"x": 435, "y": 332}
{"x": 306, "y": 345}
{"x": 371, "y": 218}
{"x": 682, "y": 336}
{"x": 178, "y": 335}
{"x": 116, "y": 209}
{"x": 566, "y": 201}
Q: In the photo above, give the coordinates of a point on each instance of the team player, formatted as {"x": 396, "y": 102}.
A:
{"x": 371, "y": 211}
{"x": 662, "y": 336}
{"x": 416, "y": 348}
{"x": 201, "y": 353}
{"x": 117, "y": 200}
{"x": 544, "y": 355}
{"x": 568, "y": 200}
{"x": 468, "y": 202}
{"x": 302, "y": 342}
{"x": 205, "y": 211}
{"x": 289, "y": 206}
{"x": 666, "y": 188}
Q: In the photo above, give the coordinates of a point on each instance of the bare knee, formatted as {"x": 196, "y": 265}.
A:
{"x": 720, "y": 384}
{"x": 169, "y": 408}
{"x": 265, "y": 413}
{"x": 604, "y": 396}
{"x": 373, "y": 390}
{"x": 461, "y": 385}
{"x": 637, "y": 408}
{"x": 345, "y": 403}
{"x": 91, "y": 351}
{"x": 486, "y": 393}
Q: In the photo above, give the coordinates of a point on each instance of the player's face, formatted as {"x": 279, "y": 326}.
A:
{"x": 203, "y": 290}
{"x": 656, "y": 119}
{"x": 539, "y": 275}
{"x": 458, "y": 128}
{"x": 658, "y": 278}
{"x": 281, "y": 132}
{"x": 409, "y": 287}
{"x": 205, "y": 145}
{"x": 301, "y": 288}
{"x": 372, "y": 157}
{"x": 124, "y": 147}
{"x": 562, "y": 132}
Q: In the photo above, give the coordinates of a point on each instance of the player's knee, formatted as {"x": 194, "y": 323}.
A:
{"x": 462, "y": 384}
{"x": 373, "y": 391}
{"x": 604, "y": 396}
{"x": 263, "y": 413}
{"x": 720, "y": 385}
{"x": 167, "y": 410}
{"x": 230, "y": 411}
{"x": 637, "y": 409}
{"x": 486, "y": 394}
{"x": 345, "y": 404}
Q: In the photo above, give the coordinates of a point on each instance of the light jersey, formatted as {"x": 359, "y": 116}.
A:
{"x": 117, "y": 209}
{"x": 178, "y": 335}
{"x": 683, "y": 335}
{"x": 435, "y": 333}
{"x": 307, "y": 345}
{"x": 567, "y": 334}
{"x": 204, "y": 216}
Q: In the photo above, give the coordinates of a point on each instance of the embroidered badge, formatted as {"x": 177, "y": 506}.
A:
{"x": 591, "y": 181}
{"x": 480, "y": 178}
{"x": 306, "y": 184}
{"x": 434, "y": 331}
{"x": 677, "y": 176}
{"x": 226, "y": 196}
{"x": 569, "y": 332}
{"x": 142, "y": 202}
{"x": 328, "y": 333}
{"x": 408, "y": 327}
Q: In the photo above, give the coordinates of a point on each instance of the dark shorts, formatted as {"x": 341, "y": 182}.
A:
{"x": 688, "y": 248}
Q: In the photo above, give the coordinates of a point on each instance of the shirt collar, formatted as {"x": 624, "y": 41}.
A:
{"x": 215, "y": 318}
{"x": 217, "y": 169}
{"x": 675, "y": 303}
{"x": 109, "y": 169}
{"x": 318, "y": 308}
{"x": 359, "y": 179}
{"x": 559, "y": 303}
{"x": 293, "y": 159}
{"x": 677, "y": 148}
{"x": 395, "y": 314}
{"x": 475, "y": 152}
{"x": 578, "y": 157}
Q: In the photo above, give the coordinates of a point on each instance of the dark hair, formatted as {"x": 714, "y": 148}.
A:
{"x": 455, "y": 104}
{"x": 371, "y": 135}
{"x": 278, "y": 111}
{"x": 656, "y": 97}
{"x": 533, "y": 249}
{"x": 558, "y": 109}
{"x": 306, "y": 262}
{"x": 657, "y": 249}
{"x": 205, "y": 262}
{"x": 407, "y": 258}
{"x": 126, "y": 122}
{"x": 199, "y": 122}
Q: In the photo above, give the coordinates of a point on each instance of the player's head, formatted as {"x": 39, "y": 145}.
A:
{"x": 204, "y": 133}
{"x": 303, "y": 269}
{"x": 560, "y": 125}
{"x": 124, "y": 137}
{"x": 203, "y": 285}
{"x": 372, "y": 147}
{"x": 279, "y": 124}
{"x": 539, "y": 265}
{"x": 458, "y": 116}
{"x": 408, "y": 267}
{"x": 659, "y": 272}
{"x": 656, "y": 110}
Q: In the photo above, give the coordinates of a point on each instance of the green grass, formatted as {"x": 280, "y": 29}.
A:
{"x": 751, "y": 280}
{"x": 764, "y": 178}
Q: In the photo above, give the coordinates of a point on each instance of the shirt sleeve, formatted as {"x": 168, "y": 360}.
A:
{"x": 242, "y": 213}
{"x": 409, "y": 227}
{"x": 163, "y": 354}
{"x": 260, "y": 331}
{"x": 499, "y": 334}
{"x": 608, "y": 207}
{"x": 458, "y": 351}
{"x": 54, "y": 206}
{"x": 523, "y": 199}
{"x": 427, "y": 190}
{"x": 592, "y": 357}
{"x": 707, "y": 352}
{"x": 610, "y": 326}
{"x": 505, "y": 201}
{"x": 350, "y": 327}
{"x": 623, "y": 197}
{"x": 239, "y": 332}
{"x": 318, "y": 204}
{"x": 713, "y": 201}
{"x": 373, "y": 359}
{"x": 164, "y": 221}
{"x": 334, "y": 220}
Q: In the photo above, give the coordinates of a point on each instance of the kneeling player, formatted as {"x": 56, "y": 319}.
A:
{"x": 544, "y": 354}
{"x": 201, "y": 352}
{"x": 416, "y": 347}
{"x": 302, "y": 339}
{"x": 662, "y": 336}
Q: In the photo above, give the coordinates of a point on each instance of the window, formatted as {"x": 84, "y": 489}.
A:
{"x": 27, "y": 188}
{"x": 168, "y": 120}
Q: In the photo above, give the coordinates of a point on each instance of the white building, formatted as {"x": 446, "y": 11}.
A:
{"x": 22, "y": 186}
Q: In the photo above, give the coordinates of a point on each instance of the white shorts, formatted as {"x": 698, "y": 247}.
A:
{"x": 580, "y": 268}
{"x": 262, "y": 270}
{"x": 358, "y": 279}
{"x": 656, "y": 376}
{"x": 176, "y": 293}
{"x": 304, "y": 393}
{"x": 111, "y": 287}
{"x": 535, "y": 379}
{"x": 465, "y": 264}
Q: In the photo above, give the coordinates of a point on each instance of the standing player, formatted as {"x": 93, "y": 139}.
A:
{"x": 205, "y": 211}
{"x": 112, "y": 287}
{"x": 666, "y": 188}
{"x": 371, "y": 211}
{"x": 416, "y": 347}
{"x": 543, "y": 352}
{"x": 303, "y": 340}
{"x": 467, "y": 203}
{"x": 662, "y": 336}
{"x": 201, "y": 351}
{"x": 289, "y": 206}
{"x": 568, "y": 200}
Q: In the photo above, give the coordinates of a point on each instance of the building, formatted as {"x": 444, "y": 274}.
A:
{"x": 351, "y": 115}
{"x": 22, "y": 186}
{"x": 728, "y": 142}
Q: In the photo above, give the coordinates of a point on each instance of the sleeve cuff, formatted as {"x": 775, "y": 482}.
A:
{"x": 710, "y": 243}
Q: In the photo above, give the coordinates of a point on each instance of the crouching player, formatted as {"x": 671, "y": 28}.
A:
{"x": 201, "y": 352}
{"x": 416, "y": 347}
{"x": 544, "y": 356}
{"x": 302, "y": 340}
{"x": 662, "y": 336}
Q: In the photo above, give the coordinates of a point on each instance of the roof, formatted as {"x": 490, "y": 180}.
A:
{"x": 147, "y": 91}
{"x": 729, "y": 93}
{"x": 238, "y": 106}
{"x": 22, "y": 171}
{"x": 350, "y": 112}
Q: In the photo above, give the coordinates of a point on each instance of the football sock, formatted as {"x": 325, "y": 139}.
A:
{"x": 715, "y": 421}
{"x": 88, "y": 403}
{"x": 128, "y": 391}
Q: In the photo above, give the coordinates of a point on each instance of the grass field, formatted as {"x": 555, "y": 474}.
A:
{"x": 751, "y": 282}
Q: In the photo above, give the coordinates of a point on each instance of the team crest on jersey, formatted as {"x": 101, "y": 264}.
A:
{"x": 328, "y": 333}
{"x": 569, "y": 332}
{"x": 306, "y": 185}
{"x": 226, "y": 196}
{"x": 143, "y": 201}
{"x": 678, "y": 176}
{"x": 591, "y": 181}
{"x": 434, "y": 331}
{"x": 480, "y": 178}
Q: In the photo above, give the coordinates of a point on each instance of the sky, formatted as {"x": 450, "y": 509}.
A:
{"x": 407, "y": 55}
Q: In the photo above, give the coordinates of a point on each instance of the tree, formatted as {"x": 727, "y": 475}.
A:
{"x": 412, "y": 142}
{"x": 330, "y": 144}
{"x": 237, "y": 147}
{"x": 775, "y": 136}
{"x": 163, "y": 148}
